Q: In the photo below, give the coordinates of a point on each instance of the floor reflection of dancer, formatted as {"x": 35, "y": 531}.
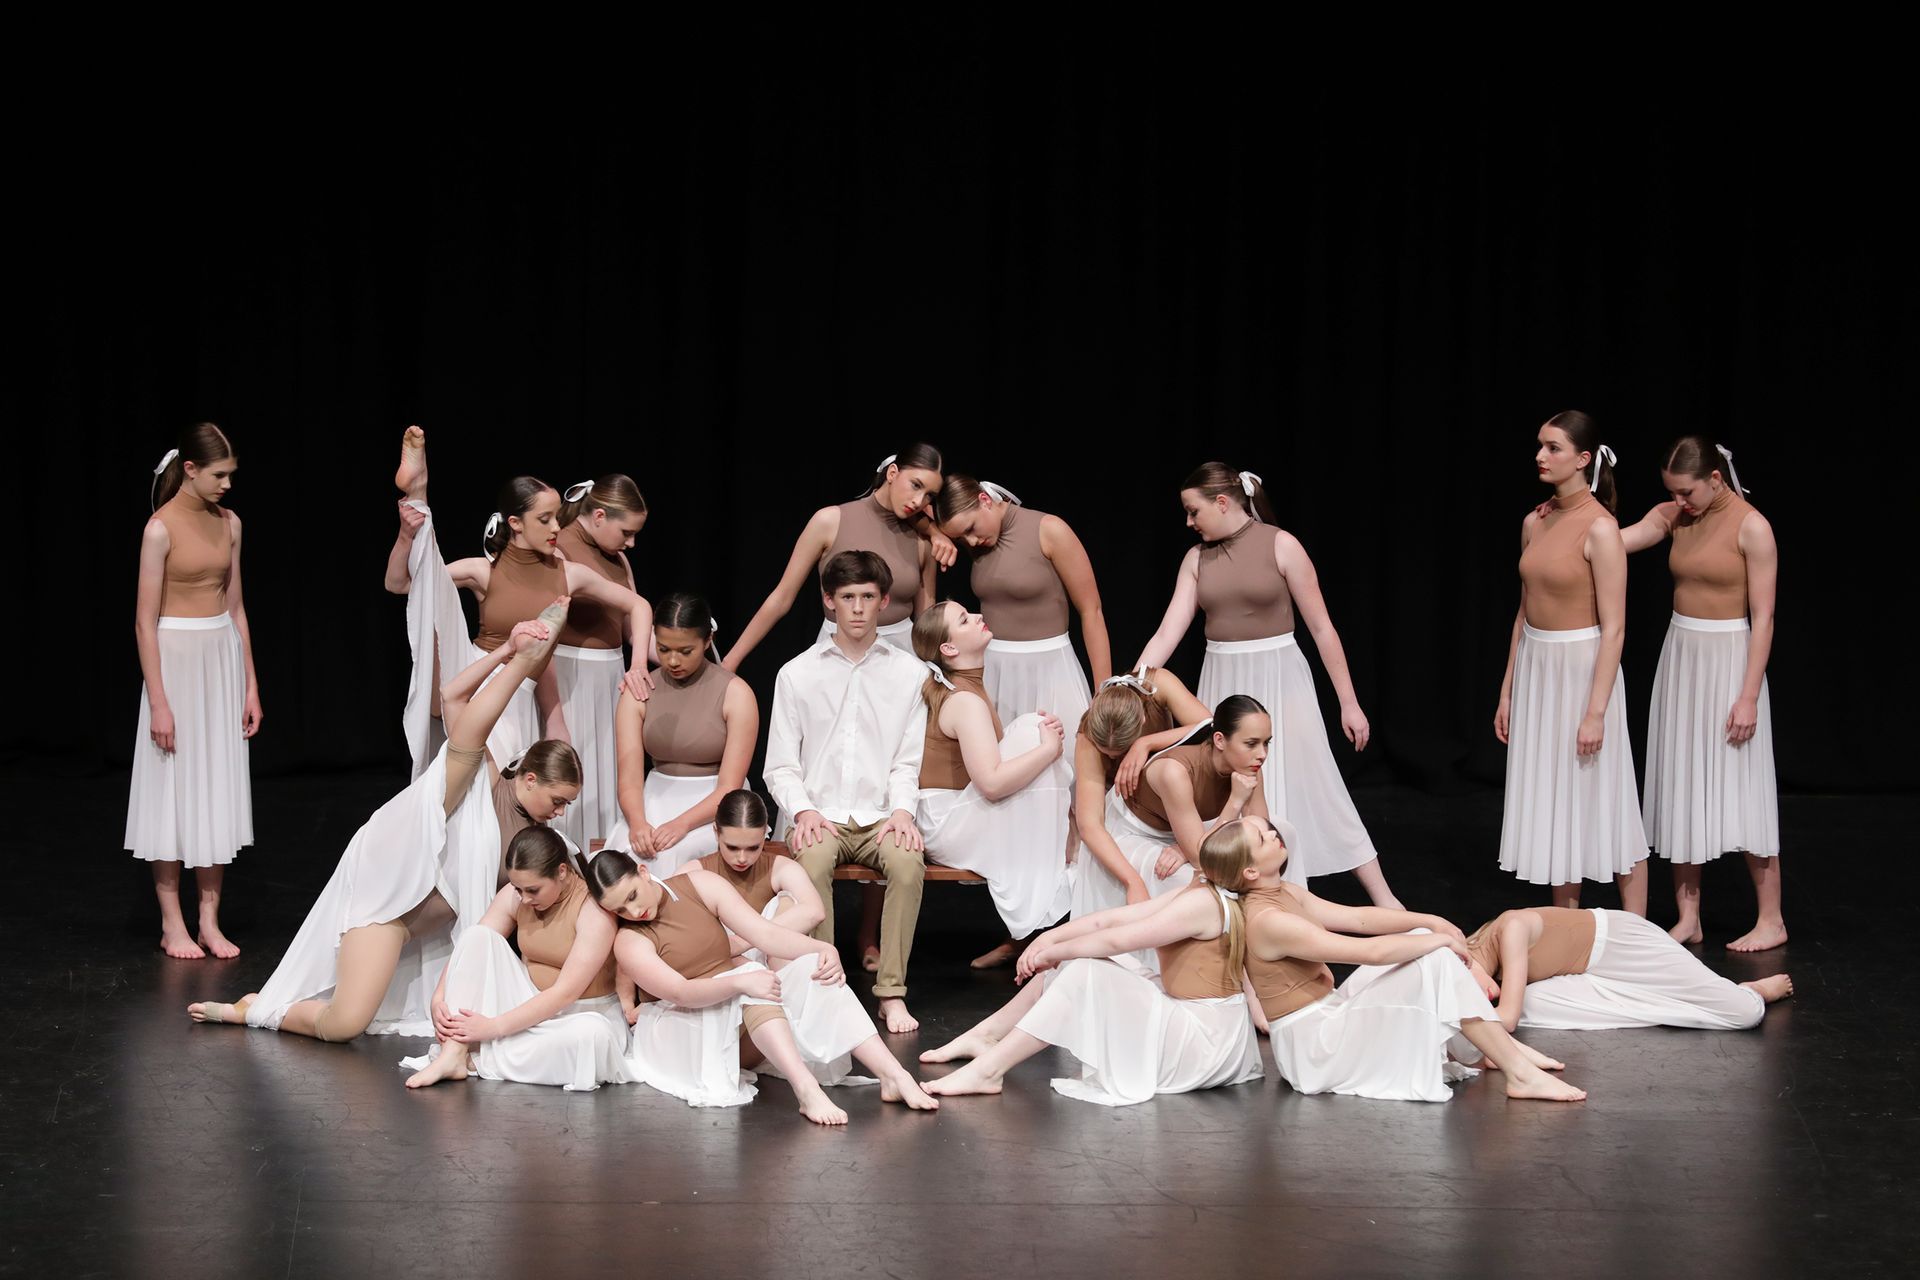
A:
{"x": 1710, "y": 782}
{"x": 423, "y": 867}
{"x": 191, "y": 801}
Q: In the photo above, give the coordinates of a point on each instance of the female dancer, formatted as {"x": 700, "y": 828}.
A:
{"x": 1571, "y": 813}
{"x": 518, "y": 574}
{"x": 1387, "y": 1031}
{"x": 1710, "y": 784}
{"x": 1249, "y": 575}
{"x": 191, "y": 803}
{"x": 698, "y": 998}
{"x": 422, "y": 869}
{"x": 699, "y": 726}
{"x": 991, "y": 802}
{"x": 881, "y": 521}
{"x": 1027, "y": 568}
{"x": 1182, "y": 794}
{"x": 1134, "y": 1036}
{"x": 598, "y": 521}
{"x": 546, "y": 1016}
{"x": 775, "y": 886}
{"x": 1596, "y": 970}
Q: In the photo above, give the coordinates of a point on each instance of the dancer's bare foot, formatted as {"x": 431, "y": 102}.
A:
{"x": 969, "y": 1079}
{"x": 411, "y": 478}
{"x": 893, "y": 1012}
{"x": 1762, "y": 937}
{"x": 1004, "y": 954}
{"x": 970, "y": 1044}
{"x": 449, "y": 1064}
{"x": 870, "y": 959}
{"x": 214, "y": 1011}
{"x": 904, "y": 1088}
{"x": 813, "y": 1102}
{"x": 1543, "y": 1087}
{"x": 1778, "y": 987}
{"x": 177, "y": 944}
{"x": 1688, "y": 932}
{"x": 215, "y": 941}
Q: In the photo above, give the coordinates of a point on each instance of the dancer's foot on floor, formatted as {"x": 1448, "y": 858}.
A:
{"x": 1778, "y": 987}
{"x": 1540, "y": 1086}
{"x": 970, "y": 1079}
{"x": 177, "y": 943}
{"x": 411, "y": 477}
{"x": 904, "y": 1088}
{"x": 448, "y": 1064}
{"x": 893, "y": 1013}
{"x": 1004, "y": 954}
{"x": 969, "y": 1044}
{"x": 215, "y": 941}
{"x": 813, "y": 1102}
{"x": 214, "y": 1011}
{"x": 1688, "y": 932}
{"x": 1762, "y": 937}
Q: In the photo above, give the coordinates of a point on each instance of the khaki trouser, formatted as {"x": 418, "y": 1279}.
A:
{"x": 906, "y": 873}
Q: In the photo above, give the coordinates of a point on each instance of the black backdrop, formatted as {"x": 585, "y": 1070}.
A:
{"x": 1077, "y": 277}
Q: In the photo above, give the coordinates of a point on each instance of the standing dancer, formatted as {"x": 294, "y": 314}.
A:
{"x": 1028, "y": 568}
{"x": 598, "y": 521}
{"x": 1571, "y": 812}
{"x": 880, "y": 521}
{"x": 1710, "y": 783}
{"x": 699, "y": 727}
{"x": 518, "y": 574}
{"x": 423, "y": 868}
{"x": 191, "y": 803}
{"x": 1249, "y": 575}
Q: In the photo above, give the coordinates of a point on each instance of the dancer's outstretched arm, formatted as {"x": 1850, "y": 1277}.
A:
{"x": 638, "y": 615}
{"x": 1276, "y": 935}
{"x": 1089, "y": 818}
{"x": 1188, "y": 914}
{"x": 640, "y": 961}
{"x": 1375, "y": 920}
{"x": 1651, "y": 529}
{"x": 1094, "y": 922}
{"x": 778, "y": 942}
{"x": 802, "y": 565}
{"x": 1062, "y": 548}
{"x": 1179, "y": 615}
{"x": 472, "y": 708}
{"x": 1304, "y": 584}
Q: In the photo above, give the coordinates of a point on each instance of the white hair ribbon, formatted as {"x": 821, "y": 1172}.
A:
{"x": 1612, "y": 461}
{"x": 1135, "y": 679}
{"x": 1001, "y": 493}
{"x": 1226, "y": 893}
{"x": 493, "y": 527}
{"x": 171, "y": 455}
{"x": 886, "y": 462}
{"x": 1731, "y": 473}
{"x": 578, "y": 491}
{"x": 941, "y": 676}
{"x": 1247, "y": 481}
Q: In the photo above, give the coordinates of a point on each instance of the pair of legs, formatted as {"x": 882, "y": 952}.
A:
{"x": 1632, "y": 886}
{"x": 174, "y": 938}
{"x": 1770, "y": 926}
{"x": 765, "y": 1029}
{"x": 906, "y": 873}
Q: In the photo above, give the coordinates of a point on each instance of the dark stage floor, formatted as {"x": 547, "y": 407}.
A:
{"x": 138, "y": 1144}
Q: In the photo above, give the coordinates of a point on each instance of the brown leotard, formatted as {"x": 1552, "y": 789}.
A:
{"x": 1565, "y": 945}
{"x": 590, "y": 624}
{"x": 756, "y": 886}
{"x": 1211, "y": 789}
{"x": 1288, "y": 983}
{"x": 867, "y": 526}
{"x": 520, "y": 584}
{"x": 546, "y": 940}
{"x": 1196, "y": 968}
{"x": 1021, "y": 595}
{"x": 1709, "y": 569}
{"x": 686, "y": 724}
{"x": 941, "y": 765}
{"x": 687, "y": 934}
{"x": 1241, "y": 588}
{"x": 1559, "y": 581}
{"x": 199, "y": 556}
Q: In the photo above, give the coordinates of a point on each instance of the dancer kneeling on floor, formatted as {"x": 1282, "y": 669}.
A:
{"x": 1387, "y": 1032}
{"x": 1135, "y": 1036}
{"x": 1595, "y": 970}
{"x": 697, "y": 999}
{"x": 546, "y": 1016}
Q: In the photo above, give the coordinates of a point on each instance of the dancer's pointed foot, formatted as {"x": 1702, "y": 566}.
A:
{"x": 1528, "y": 1052}
{"x": 1762, "y": 937}
{"x": 214, "y": 1011}
{"x": 177, "y": 943}
{"x": 1004, "y": 954}
{"x": 448, "y": 1064}
{"x": 969, "y": 1044}
{"x": 970, "y": 1079}
{"x": 904, "y": 1088}
{"x": 411, "y": 477}
{"x": 1778, "y": 987}
{"x": 893, "y": 1012}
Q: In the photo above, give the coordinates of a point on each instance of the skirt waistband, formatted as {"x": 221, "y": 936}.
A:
{"x": 1599, "y": 936}
{"x": 1297, "y": 1014}
{"x": 1262, "y": 645}
{"x": 213, "y": 623}
{"x": 1047, "y": 645}
{"x": 704, "y": 779}
{"x": 1122, "y": 813}
{"x": 1559, "y": 637}
{"x": 581, "y": 654}
{"x": 1685, "y": 623}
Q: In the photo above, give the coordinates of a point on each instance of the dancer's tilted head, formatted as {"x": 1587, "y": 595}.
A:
{"x": 905, "y": 482}
{"x": 740, "y": 823}
{"x": 610, "y": 511}
{"x": 1242, "y": 853}
{"x": 1218, "y": 500}
{"x": 623, "y": 886}
{"x": 970, "y": 511}
{"x": 527, "y": 515}
{"x": 546, "y": 779}
{"x": 538, "y": 866}
{"x": 1116, "y": 719}
{"x": 951, "y": 638}
{"x": 202, "y": 463}
{"x": 1228, "y": 863}
{"x": 1243, "y": 732}
{"x": 683, "y": 635}
{"x": 1570, "y": 447}
{"x": 856, "y": 586}
{"x": 1697, "y": 471}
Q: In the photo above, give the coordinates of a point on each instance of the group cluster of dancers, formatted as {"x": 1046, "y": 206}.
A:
{"x": 578, "y": 888}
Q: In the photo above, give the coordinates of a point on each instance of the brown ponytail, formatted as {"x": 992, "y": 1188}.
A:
{"x": 1215, "y": 478}
{"x": 201, "y": 444}
{"x": 614, "y": 493}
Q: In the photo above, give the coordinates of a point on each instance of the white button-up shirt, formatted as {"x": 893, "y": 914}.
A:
{"x": 845, "y": 737}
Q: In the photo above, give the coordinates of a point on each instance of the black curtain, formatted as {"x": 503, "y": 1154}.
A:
{"x": 1078, "y": 275}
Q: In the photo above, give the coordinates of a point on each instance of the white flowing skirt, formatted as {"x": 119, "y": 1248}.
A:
{"x": 194, "y": 804}
{"x": 581, "y": 1048}
{"x": 1096, "y": 889}
{"x": 1705, "y": 796}
{"x": 898, "y": 634}
{"x": 1301, "y": 780}
{"x": 694, "y": 1054}
{"x": 1036, "y": 675}
{"x": 1638, "y": 976}
{"x": 408, "y": 849}
{"x": 668, "y": 796}
{"x": 1385, "y": 1032}
{"x": 1568, "y": 818}
{"x": 589, "y": 685}
{"x": 1134, "y": 1040}
{"x": 437, "y": 628}
{"x": 1018, "y": 844}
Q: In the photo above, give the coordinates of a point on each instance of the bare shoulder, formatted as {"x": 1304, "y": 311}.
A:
{"x": 155, "y": 536}
{"x": 1755, "y": 529}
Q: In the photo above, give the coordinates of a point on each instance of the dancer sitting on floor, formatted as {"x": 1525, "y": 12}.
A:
{"x": 1134, "y": 1035}
{"x": 1388, "y": 1030}
{"x": 771, "y": 883}
{"x": 1595, "y": 970}
{"x": 423, "y": 868}
{"x": 697, "y": 999}
{"x": 546, "y": 1016}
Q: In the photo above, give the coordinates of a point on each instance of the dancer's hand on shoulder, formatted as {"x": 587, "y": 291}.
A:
{"x": 638, "y": 682}
{"x": 1127, "y": 776}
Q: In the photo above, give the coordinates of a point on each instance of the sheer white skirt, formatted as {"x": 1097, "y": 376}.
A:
{"x": 194, "y": 804}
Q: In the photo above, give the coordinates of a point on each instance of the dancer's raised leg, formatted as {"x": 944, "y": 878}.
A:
{"x": 411, "y": 476}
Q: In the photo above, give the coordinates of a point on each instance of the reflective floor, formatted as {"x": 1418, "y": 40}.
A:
{"x": 135, "y": 1143}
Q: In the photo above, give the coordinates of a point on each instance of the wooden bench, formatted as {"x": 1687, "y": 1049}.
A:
{"x": 854, "y": 871}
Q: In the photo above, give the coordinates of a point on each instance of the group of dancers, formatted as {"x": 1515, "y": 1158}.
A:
{"x": 577, "y": 887}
